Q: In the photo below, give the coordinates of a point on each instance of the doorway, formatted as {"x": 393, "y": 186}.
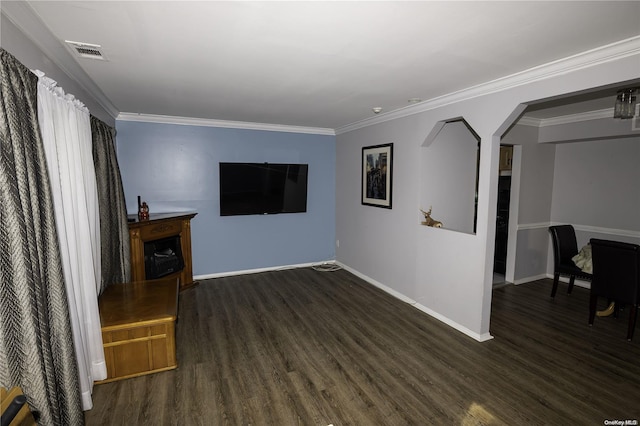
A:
{"x": 502, "y": 215}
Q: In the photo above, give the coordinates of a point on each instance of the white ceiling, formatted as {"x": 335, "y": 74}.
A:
{"x": 320, "y": 64}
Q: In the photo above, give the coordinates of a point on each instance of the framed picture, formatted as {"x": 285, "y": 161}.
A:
{"x": 377, "y": 172}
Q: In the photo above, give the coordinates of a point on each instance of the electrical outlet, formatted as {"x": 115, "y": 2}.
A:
{"x": 337, "y": 243}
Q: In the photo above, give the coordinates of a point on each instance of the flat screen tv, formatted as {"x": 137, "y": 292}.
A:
{"x": 262, "y": 188}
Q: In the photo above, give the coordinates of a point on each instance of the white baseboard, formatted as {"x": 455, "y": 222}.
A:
{"x": 479, "y": 337}
{"x": 258, "y": 270}
{"x": 529, "y": 279}
{"x": 577, "y": 283}
{"x": 378, "y": 284}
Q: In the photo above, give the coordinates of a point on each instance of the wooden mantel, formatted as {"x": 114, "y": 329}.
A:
{"x": 158, "y": 226}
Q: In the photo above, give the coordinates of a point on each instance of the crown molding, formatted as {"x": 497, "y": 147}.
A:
{"x": 27, "y": 20}
{"x": 530, "y": 121}
{"x": 575, "y": 118}
{"x": 606, "y": 113}
{"x": 206, "y": 122}
{"x": 600, "y": 55}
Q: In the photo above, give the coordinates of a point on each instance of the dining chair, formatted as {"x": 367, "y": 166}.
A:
{"x": 616, "y": 276}
{"x": 564, "y": 248}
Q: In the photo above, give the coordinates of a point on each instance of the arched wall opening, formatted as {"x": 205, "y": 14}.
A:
{"x": 446, "y": 274}
{"x": 449, "y": 167}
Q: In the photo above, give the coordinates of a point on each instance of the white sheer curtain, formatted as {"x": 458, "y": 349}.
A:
{"x": 66, "y": 134}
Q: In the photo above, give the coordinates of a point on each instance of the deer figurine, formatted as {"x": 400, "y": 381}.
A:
{"x": 429, "y": 221}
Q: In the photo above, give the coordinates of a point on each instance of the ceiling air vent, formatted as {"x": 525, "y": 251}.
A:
{"x": 86, "y": 50}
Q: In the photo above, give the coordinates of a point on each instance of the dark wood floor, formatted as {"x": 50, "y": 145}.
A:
{"x": 300, "y": 347}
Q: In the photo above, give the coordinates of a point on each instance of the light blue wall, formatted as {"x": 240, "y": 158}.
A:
{"x": 175, "y": 168}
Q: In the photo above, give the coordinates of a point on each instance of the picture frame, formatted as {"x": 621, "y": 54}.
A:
{"x": 377, "y": 175}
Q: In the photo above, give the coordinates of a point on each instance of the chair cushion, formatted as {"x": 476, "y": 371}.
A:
{"x": 583, "y": 259}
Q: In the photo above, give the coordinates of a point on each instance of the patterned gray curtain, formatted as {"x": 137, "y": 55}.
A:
{"x": 114, "y": 230}
{"x": 36, "y": 345}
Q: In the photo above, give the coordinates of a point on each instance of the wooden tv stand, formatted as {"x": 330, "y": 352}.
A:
{"x": 159, "y": 226}
{"x": 138, "y": 327}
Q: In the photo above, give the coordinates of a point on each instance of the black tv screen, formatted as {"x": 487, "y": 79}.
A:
{"x": 262, "y": 188}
